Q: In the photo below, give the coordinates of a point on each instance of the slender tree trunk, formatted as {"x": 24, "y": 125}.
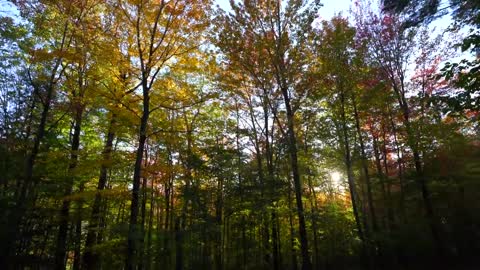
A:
{"x": 150, "y": 227}
{"x": 292, "y": 232}
{"x": 90, "y": 258}
{"x": 292, "y": 149}
{"x": 351, "y": 181}
{"x": 261, "y": 177}
{"x": 61, "y": 249}
{"x": 7, "y": 249}
{"x": 182, "y": 220}
{"x": 133, "y": 231}
{"x": 371, "y": 205}
{"x": 313, "y": 205}
{"x": 166, "y": 252}
{"x": 380, "y": 174}
{"x": 141, "y": 247}
{"x": 218, "y": 220}
{"x": 77, "y": 259}
{"x": 271, "y": 183}
{"x": 390, "y": 213}
{"x": 240, "y": 185}
{"x": 420, "y": 178}
{"x": 400, "y": 168}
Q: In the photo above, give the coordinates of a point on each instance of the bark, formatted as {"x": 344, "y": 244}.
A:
{"x": 133, "y": 231}
{"x": 150, "y": 227}
{"x": 378, "y": 165}
{"x": 61, "y": 249}
{"x": 271, "y": 179}
{"x": 8, "y": 237}
{"x": 12, "y": 229}
{"x": 218, "y": 220}
{"x": 261, "y": 178}
{"x": 390, "y": 213}
{"x": 292, "y": 232}
{"x": 400, "y": 168}
{"x": 141, "y": 259}
{"x": 240, "y": 184}
{"x": 420, "y": 178}
{"x": 90, "y": 259}
{"x": 181, "y": 221}
{"x": 371, "y": 206}
{"x": 351, "y": 181}
{"x": 292, "y": 149}
{"x": 313, "y": 206}
{"x": 77, "y": 259}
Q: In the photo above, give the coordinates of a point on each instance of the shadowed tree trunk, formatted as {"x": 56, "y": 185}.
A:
{"x": 90, "y": 259}
{"x": 61, "y": 249}
{"x": 292, "y": 149}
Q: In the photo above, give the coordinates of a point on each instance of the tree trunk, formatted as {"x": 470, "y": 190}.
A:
{"x": 182, "y": 220}
{"x": 141, "y": 247}
{"x": 400, "y": 168}
{"x": 381, "y": 177}
{"x": 292, "y": 149}
{"x": 390, "y": 213}
{"x": 261, "y": 177}
{"x": 61, "y": 249}
{"x": 133, "y": 231}
{"x": 420, "y": 178}
{"x": 351, "y": 181}
{"x": 292, "y": 231}
{"x": 371, "y": 206}
{"x": 218, "y": 220}
{"x": 7, "y": 249}
{"x": 77, "y": 259}
{"x": 150, "y": 227}
{"x": 90, "y": 258}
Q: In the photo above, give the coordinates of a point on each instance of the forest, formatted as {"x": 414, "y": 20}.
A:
{"x": 176, "y": 134}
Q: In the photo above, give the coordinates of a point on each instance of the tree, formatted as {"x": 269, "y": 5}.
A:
{"x": 162, "y": 33}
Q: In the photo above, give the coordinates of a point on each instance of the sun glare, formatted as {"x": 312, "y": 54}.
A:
{"x": 336, "y": 177}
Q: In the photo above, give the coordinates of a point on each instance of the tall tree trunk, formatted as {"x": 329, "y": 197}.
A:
{"x": 90, "y": 258}
{"x": 166, "y": 251}
{"x": 390, "y": 213}
{"x": 292, "y": 149}
{"x": 351, "y": 181}
{"x": 77, "y": 259}
{"x": 150, "y": 227}
{"x": 61, "y": 249}
{"x": 218, "y": 220}
{"x": 371, "y": 206}
{"x": 9, "y": 236}
{"x": 381, "y": 177}
{"x": 141, "y": 248}
{"x": 261, "y": 177}
{"x": 400, "y": 165}
{"x": 420, "y": 178}
{"x": 271, "y": 197}
{"x": 181, "y": 221}
{"x": 292, "y": 231}
{"x": 133, "y": 231}
{"x": 313, "y": 206}
{"x": 240, "y": 185}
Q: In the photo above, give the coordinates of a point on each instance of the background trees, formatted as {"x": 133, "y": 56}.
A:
{"x": 168, "y": 134}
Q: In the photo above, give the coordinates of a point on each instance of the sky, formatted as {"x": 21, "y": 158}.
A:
{"x": 330, "y": 7}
